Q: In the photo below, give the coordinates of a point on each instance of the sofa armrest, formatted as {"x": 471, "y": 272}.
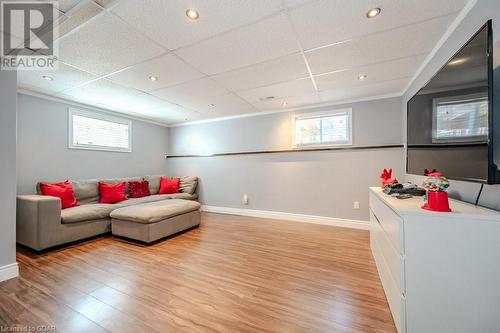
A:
{"x": 38, "y": 216}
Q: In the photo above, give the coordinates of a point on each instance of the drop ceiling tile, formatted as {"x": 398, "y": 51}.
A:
{"x": 180, "y": 115}
{"x": 277, "y": 91}
{"x": 67, "y": 5}
{"x": 64, "y": 77}
{"x": 188, "y": 94}
{"x": 346, "y": 19}
{"x": 380, "y": 72}
{"x": 379, "y": 47}
{"x": 166, "y": 22}
{"x": 106, "y": 45}
{"x": 81, "y": 15}
{"x": 294, "y": 101}
{"x": 263, "y": 74}
{"x": 364, "y": 91}
{"x": 106, "y": 94}
{"x": 268, "y": 39}
{"x": 223, "y": 105}
{"x": 169, "y": 69}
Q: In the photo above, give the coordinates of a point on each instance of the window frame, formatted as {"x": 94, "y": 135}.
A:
{"x": 321, "y": 114}
{"x": 451, "y": 99}
{"x": 100, "y": 116}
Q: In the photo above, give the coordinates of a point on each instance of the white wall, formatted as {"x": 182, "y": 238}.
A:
{"x": 312, "y": 183}
{"x": 8, "y": 83}
{"x": 482, "y": 11}
{"x": 43, "y": 152}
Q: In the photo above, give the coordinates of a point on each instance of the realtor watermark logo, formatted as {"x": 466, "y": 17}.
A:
{"x": 29, "y": 31}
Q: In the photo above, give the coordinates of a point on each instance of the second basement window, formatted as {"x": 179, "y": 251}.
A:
{"x": 323, "y": 129}
{"x": 95, "y": 131}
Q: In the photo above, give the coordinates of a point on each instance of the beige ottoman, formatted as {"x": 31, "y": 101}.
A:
{"x": 152, "y": 221}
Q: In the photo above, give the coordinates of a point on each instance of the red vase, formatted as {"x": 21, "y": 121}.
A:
{"x": 437, "y": 201}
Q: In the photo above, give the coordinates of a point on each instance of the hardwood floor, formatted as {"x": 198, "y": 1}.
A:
{"x": 232, "y": 274}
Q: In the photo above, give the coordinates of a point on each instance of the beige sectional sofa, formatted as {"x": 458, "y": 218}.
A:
{"x": 42, "y": 224}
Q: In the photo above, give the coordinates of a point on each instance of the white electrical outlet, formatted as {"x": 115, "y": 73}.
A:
{"x": 245, "y": 199}
{"x": 356, "y": 205}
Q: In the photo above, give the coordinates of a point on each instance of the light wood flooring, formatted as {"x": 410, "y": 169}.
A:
{"x": 232, "y": 274}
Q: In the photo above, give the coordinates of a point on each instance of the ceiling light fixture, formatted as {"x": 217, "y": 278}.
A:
{"x": 153, "y": 78}
{"x": 192, "y": 14}
{"x": 48, "y": 78}
{"x": 362, "y": 77}
{"x": 211, "y": 105}
{"x": 374, "y": 12}
{"x": 284, "y": 104}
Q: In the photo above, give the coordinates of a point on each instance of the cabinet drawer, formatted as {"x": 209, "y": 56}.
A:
{"x": 397, "y": 301}
{"x": 393, "y": 259}
{"x": 389, "y": 220}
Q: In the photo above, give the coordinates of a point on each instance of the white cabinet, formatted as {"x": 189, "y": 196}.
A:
{"x": 440, "y": 271}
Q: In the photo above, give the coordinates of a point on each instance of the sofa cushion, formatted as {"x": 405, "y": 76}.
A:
{"x": 154, "y": 198}
{"x": 154, "y": 183}
{"x": 169, "y": 185}
{"x": 188, "y": 184}
{"x": 87, "y": 191}
{"x": 155, "y": 211}
{"x": 87, "y": 212}
{"x": 112, "y": 193}
{"x": 138, "y": 189}
{"x": 63, "y": 191}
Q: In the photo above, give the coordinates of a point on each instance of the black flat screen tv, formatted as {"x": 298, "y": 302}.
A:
{"x": 451, "y": 121}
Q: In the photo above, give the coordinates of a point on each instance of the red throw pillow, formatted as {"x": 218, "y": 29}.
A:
{"x": 63, "y": 191}
{"x": 137, "y": 189}
{"x": 169, "y": 186}
{"x": 111, "y": 193}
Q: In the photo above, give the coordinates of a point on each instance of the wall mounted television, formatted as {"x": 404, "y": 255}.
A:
{"x": 452, "y": 120}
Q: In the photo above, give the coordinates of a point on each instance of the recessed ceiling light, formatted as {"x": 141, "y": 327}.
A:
{"x": 153, "y": 78}
{"x": 192, "y": 14}
{"x": 284, "y": 104}
{"x": 48, "y": 78}
{"x": 374, "y": 12}
{"x": 457, "y": 61}
{"x": 211, "y": 105}
{"x": 362, "y": 77}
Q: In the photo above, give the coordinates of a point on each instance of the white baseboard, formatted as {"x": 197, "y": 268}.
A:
{"x": 8, "y": 272}
{"x": 338, "y": 222}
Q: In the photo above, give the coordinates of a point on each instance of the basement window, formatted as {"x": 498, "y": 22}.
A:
{"x": 333, "y": 128}
{"x": 96, "y": 131}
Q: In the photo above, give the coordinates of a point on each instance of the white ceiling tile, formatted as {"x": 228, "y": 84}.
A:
{"x": 268, "y": 39}
{"x": 322, "y": 22}
{"x": 364, "y": 91}
{"x": 385, "y": 71}
{"x": 67, "y": 5}
{"x": 223, "y": 105}
{"x": 64, "y": 77}
{"x": 290, "y": 102}
{"x": 105, "y": 45}
{"x": 81, "y": 15}
{"x": 296, "y": 3}
{"x": 188, "y": 94}
{"x": 166, "y": 22}
{"x": 393, "y": 44}
{"x": 106, "y": 94}
{"x": 169, "y": 69}
{"x": 281, "y": 90}
{"x": 265, "y": 73}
